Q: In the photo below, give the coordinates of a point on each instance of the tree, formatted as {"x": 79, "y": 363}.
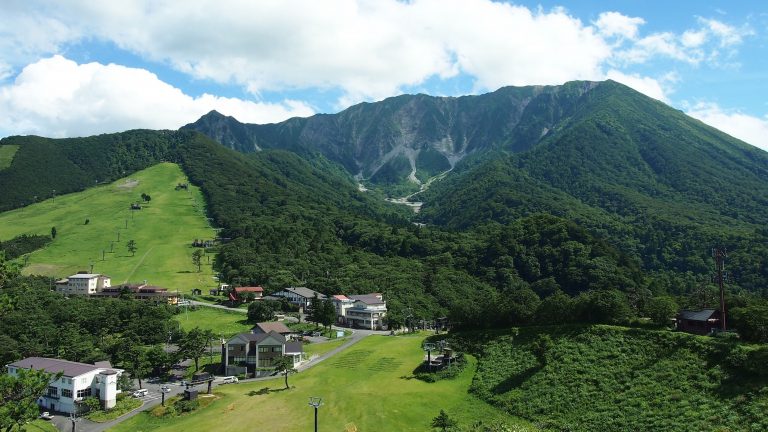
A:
{"x": 260, "y": 311}
{"x": 193, "y": 344}
{"x": 135, "y": 361}
{"x": 197, "y": 258}
{"x": 541, "y": 346}
{"x": 92, "y": 403}
{"x": 53, "y": 232}
{"x": 751, "y": 322}
{"x": 131, "y": 245}
{"x": 146, "y": 197}
{"x": 284, "y": 365}
{"x": 443, "y": 421}
{"x": 315, "y": 310}
{"x": 327, "y": 313}
{"x": 18, "y": 397}
{"x": 661, "y": 309}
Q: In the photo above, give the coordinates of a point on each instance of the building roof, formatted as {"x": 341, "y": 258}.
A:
{"x": 266, "y": 327}
{"x": 341, "y": 297}
{"x": 293, "y": 347}
{"x": 369, "y": 299}
{"x": 50, "y": 365}
{"x": 304, "y": 292}
{"x": 699, "y": 315}
{"x": 259, "y": 337}
{"x": 249, "y": 289}
{"x": 86, "y": 276}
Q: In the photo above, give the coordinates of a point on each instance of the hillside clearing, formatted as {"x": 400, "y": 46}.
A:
{"x": 163, "y": 230}
{"x": 6, "y": 155}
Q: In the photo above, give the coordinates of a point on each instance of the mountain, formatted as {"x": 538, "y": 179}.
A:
{"x": 661, "y": 186}
{"x": 410, "y": 136}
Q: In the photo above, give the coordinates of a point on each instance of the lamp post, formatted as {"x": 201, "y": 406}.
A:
{"x": 163, "y": 390}
{"x": 315, "y": 402}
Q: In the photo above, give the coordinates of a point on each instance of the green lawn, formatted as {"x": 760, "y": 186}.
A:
{"x": 369, "y": 385}
{"x": 6, "y": 155}
{"x": 322, "y": 347}
{"x": 221, "y": 322}
{"x": 163, "y": 231}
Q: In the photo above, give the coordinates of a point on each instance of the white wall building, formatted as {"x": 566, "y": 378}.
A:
{"x": 368, "y": 311}
{"x": 78, "y": 381}
{"x": 83, "y": 284}
{"x": 299, "y": 296}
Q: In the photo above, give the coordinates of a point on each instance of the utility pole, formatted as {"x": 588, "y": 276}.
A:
{"x": 720, "y": 254}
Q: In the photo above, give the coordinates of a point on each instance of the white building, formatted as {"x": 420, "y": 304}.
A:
{"x": 368, "y": 311}
{"x": 342, "y": 304}
{"x": 78, "y": 381}
{"x": 83, "y": 284}
{"x": 299, "y": 296}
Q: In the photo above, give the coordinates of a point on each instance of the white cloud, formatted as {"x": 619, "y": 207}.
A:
{"x": 655, "y": 88}
{"x": 360, "y": 49}
{"x": 616, "y": 24}
{"x": 58, "y": 97}
{"x": 368, "y": 48}
{"x": 750, "y": 129}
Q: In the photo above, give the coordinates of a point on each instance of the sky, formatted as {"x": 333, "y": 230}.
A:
{"x": 81, "y": 67}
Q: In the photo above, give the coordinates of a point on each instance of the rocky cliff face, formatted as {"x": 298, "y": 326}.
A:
{"x": 411, "y": 136}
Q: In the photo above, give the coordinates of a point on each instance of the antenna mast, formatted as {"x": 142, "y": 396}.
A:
{"x": 720, "y": 254}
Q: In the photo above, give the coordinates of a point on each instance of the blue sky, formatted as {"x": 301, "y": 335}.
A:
{"x": 79, "y": 67}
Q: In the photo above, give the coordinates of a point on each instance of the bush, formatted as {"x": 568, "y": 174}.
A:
{"x": 449, "y": 372}
{"x": 183, "y": 406}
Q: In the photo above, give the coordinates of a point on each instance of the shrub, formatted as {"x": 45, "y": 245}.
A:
{"x": 183, "y": 406}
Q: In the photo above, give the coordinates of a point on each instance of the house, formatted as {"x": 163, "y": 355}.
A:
{"x": 277, "y": 327}
{"x": 140, "y": 291}
{"x": 299, "y": 296}
{"x": 241, "y": 294}
{"x": 77, "y": 382}
{"x": 249, "y": 353}
{"x": 83, "y": 284}
{"x": 342, "y": 304}
{"x": 701, "y": 322}
{"x": 367, "y": 311}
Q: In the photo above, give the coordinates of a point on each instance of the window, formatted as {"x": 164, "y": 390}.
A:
{"x": 11, "y": 370}
{"x": 67, "y": 393}
{"x": 53, "y": 391}
{"x": 277, "y": 349}
{"x": 263, "y": 349}
{"x": 84, "y": 393}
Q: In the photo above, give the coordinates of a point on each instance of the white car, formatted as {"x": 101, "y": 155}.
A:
{"x": 229, "y": 380}
{"x": 140, "y": 393}
{"x": 46, "y": 416}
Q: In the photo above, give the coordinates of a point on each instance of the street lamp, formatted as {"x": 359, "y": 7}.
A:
{"x": 163, "y": 390}
{"x": 316, "y": 402}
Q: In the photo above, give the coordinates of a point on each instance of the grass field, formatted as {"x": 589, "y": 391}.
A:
{"x": 6, "y": 155}
{"x": 369, "y": 385}
{"x": 221, "y": 322}
{"x": 163, "y": 231}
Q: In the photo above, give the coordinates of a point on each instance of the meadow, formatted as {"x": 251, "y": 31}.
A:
{"x": 6, "y": 155}
{"x": 370, "y": 386}
{"x": 94, "y": 226}
{"x": 221, "y": 322}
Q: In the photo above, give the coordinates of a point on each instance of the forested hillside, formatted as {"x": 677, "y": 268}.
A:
{"x": 658, "y": 185}
{"x": 617, "y": 379}
{"x": 44, "y": 167}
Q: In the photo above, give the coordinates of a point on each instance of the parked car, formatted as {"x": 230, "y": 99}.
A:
{"x": 229, "y": 380}
{"x": 46, "y": 416}
{"x": 140, "y": 393}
